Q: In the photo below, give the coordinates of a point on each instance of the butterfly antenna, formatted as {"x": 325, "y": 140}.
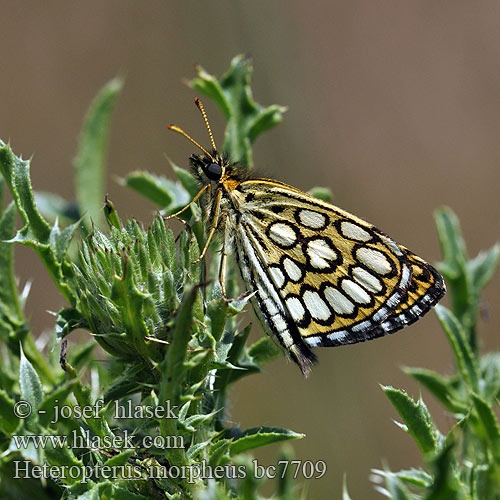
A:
{"x": 177, "y": 129}
{"x": 199, "y": 104}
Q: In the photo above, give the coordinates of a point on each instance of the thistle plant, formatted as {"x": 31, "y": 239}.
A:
{"x": 173, "y": 344}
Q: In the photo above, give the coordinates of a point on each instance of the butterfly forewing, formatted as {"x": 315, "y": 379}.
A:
{"x": 323, "y": 276}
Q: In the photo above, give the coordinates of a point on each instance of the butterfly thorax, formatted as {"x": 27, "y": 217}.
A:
{"x": 219, "y": 174}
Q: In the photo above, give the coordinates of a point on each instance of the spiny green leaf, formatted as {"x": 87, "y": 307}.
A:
{"x": 415, "y": 477}
{"x": 31, "y": 391}
{"x": 153, "y": 187}
{"x": 90, "y": 160}
{"x": 258, "y": 437}
{"x": 120, "y": 459}
{"x": 452, "y": 242}
{"x": 490, "y": 376}
{"x": 416, "y": 418}
{"x": 263, "y": 351}
{"x": 36, "y": 232}
{"x": 489, "y": 423}
{"x": 31, "y": 387}
{"x": 16, "y": 172}
{"x": 8, "y": 289}
{"x": 483, "y": 267}
{"x": 466, "y": 360}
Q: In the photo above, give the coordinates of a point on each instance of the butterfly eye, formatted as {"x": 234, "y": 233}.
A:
{"x": 213, "y": 171}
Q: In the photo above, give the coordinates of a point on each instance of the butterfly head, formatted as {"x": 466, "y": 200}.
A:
{"x": 210, "y": 167}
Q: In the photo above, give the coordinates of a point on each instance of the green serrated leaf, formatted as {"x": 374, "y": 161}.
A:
{"x": 415, "y": 477}
{"x": 9, "y": 298}
{"x": 90, "y": 160}
{"x": 258, "y": 437}
{"x": 489, "y": 423}
{"x": 263, "y": 351}
{"x": 16, "y": 172}
{"x": 452, "y": 242}
{"x": 416, "y": 418}
{"x": 483, "y": 267}
{"x": 466, "y": 360}
{"x": 31, "y": 387}
{"x": 36, "y": 232}
{"x": 153, "y": 187}
{"x": 31, "y": 392}
{"x": 120, "y": 459}
{"x": 490, "y": 375}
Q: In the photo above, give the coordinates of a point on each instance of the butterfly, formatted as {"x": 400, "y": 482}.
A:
{"x": 319, "y": 276}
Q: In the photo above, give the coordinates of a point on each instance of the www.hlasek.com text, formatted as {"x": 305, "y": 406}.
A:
{"x": 85, "y": 439}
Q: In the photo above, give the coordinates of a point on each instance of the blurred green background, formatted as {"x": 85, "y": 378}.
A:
{"x": 394, "y": 105}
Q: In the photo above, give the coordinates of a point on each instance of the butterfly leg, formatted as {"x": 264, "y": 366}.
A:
{"x": 213, "y": 224}
{"x": 200, "y": 192}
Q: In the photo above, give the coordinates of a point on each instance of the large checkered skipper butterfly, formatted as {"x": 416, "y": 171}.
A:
{"x": 319, "y": 276}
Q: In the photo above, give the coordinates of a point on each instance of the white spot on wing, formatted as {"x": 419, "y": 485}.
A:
{"x": 287, "y": 339}
{"x": 282, "y": 234}
{"x": 293, "y": 270}
{"x": 296, "y": 308}
{"x": 316, "y": 305}
{"x": 280, "y": 324}
{"x": 354, "y": 232}
{"x": 337, "y": 336}
{"x": 362, "y": 327}
{"x": 320, "y": 253}
{"x": 380, "y": 314}
{"x": 386, "y": 326}
{"x": 277, "y": 276}
{"x": 313, "y": 341}
{"x": 271, "y": 307}
{"x": 374, "y": 260}
{"x": 356, "y": 293}
{"x": 339, "y": 302}
{"x": 366, "y": 279}
{"x": 392, "y": 245}
{"x": 314, "y": 220}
